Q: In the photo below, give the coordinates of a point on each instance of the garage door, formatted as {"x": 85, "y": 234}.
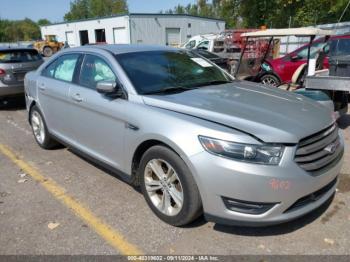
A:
{"x": 120, "y": 35}
{"x": 70, "y": 39}
{"x": 173, "y": 37}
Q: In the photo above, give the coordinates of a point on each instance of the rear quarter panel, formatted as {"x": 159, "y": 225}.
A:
{"x": 30, "y": 88}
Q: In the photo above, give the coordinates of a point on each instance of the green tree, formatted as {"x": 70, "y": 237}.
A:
{"x": 28, "y": 30}
{"x": 79, "y": 9}
{"x": 179, "y": 9}
{"x": 204, "y": 9}
{"x": 228, "y": 10}
{"x": 270, "y": 13}
{"x": 43, "y": 22}
{"x": 83, "y": 9}
{"x": 21, "y": 30}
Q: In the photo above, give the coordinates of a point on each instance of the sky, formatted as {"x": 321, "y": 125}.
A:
{"x": 54, "y": 10}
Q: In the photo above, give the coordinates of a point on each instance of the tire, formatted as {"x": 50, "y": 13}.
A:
{"x": 270, "y": 80}
{"x": 181, "y": 183}
{"x": 47, "y": 51}
{"x": 39, "y": 128}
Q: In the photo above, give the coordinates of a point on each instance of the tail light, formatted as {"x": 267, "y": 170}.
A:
{"x": 2, "y": 72}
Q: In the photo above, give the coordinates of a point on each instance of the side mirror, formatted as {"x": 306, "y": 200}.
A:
{"x": 109, "y": 88}
{"x": 202, "y": 48}
{"x": 294, "y": 58}
{"x": 106, "y": 87}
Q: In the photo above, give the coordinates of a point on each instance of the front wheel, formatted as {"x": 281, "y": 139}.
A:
{"x": 169, "y": 187}
{"x": 270, "y": 80}
{"x": 47, "y": 51}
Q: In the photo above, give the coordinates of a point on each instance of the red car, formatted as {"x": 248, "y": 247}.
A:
{"x": 281, "y": 70}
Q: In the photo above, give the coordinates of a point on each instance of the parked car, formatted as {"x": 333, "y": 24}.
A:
{"x": 206, "y": 40}
{"x": 14, "y": 64}
{"x": 283, "y": 68}
{"x": 218, "y": 60}
{"x": 193, "y": 138}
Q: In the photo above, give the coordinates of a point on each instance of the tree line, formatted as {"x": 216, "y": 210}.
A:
{"x": 236, "y": 13}
{"x": 84, "y": 9}
{"x": 21, "y": 30}
{"x": 269, "y": 13}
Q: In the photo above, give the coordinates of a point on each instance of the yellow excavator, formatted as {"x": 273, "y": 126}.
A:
{"x": 49, "y": 46}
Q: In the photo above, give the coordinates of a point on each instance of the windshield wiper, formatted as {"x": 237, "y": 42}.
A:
{"x": 171, "y": 89}
{"x": 214, "y": 82}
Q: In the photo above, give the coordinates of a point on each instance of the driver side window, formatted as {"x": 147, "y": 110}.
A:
{"x": 191, "y": 44}
{"x": 95, "y": 70}
{"x": 203, "y": 45}
{"x": 315, "y": 48}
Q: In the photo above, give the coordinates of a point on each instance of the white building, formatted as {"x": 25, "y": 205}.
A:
{"x": 161, "y": 29}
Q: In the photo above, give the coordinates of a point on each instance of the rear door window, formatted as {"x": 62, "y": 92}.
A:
{"x": 63, "y": 68}
{"x": 19, "y": 56}
{"x": 94, "y": 70}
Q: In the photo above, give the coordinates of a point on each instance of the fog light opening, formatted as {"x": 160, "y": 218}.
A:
{"x": 253, "y": 208}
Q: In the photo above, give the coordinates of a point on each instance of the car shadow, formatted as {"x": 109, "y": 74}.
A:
{"x": 122, "y": 177}
{"x": 344, "y": 121}
{"x": 280, "y": 229}
{"x": 12, "y": 104}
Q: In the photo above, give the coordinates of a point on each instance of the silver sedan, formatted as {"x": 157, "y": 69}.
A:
{"x": 192, "y": 137}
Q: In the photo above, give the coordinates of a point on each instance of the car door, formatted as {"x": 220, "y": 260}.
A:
{"x": 98, "y": 120}
{"x": 299, "y": 57}
{"x": 53, "y": 92}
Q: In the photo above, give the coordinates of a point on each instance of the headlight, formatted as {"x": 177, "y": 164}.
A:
{"x": 266, "y": 67}
{"x": 259, "y": 154}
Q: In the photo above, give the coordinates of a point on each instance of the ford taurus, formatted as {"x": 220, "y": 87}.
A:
{"x": 193, "y": 138}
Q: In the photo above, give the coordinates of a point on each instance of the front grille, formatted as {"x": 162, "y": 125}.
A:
{"x": 319, "y": 151}
{"x": 312, "y": 197}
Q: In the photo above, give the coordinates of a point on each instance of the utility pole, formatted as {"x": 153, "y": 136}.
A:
{"x": 289, "y": 26}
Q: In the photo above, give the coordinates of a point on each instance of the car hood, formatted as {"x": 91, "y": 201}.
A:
{"x": 270, "y": 114}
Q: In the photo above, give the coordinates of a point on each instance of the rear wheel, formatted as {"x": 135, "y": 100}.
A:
{"x": 47, "y": 51}
{"x": 39, "y": 129}
{"x": 270, "y": 80}
{"x": 168, "y": 187}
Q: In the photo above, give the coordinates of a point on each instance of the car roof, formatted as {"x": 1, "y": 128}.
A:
{"x": 15, "y": 48}
{"x": 125, "y": 48}
{"x": 302, "y": 31}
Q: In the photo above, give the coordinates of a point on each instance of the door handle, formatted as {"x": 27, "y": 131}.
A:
{"x": 77, "y": 98}
{"x": 42, "y": 87}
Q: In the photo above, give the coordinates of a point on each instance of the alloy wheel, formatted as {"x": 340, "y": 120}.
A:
{"x": 38, "y": 127}
{"x": 163, "y": 187}
{"x": 269, "y": 81}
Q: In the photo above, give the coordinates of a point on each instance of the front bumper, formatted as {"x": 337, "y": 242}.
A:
{"x": 282, "y": 186}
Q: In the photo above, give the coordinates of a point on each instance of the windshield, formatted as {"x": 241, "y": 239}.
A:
{"x": 19, "y": 56}
{"x": 154, "y": 71}
{"x": 207, "y": 54}
{"x": 314, "y": 50}
{"x": 257, "y": 50}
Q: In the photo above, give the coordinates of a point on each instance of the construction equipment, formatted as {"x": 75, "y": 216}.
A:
{"x": 49, "y": 46}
